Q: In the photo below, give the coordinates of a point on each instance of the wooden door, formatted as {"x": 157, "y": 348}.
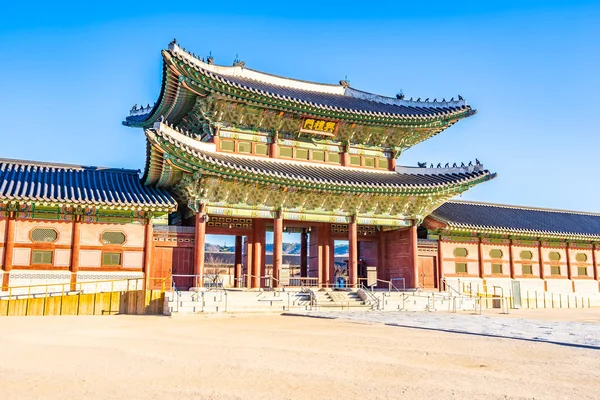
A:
{"x": 183, "y": 264}
{"x": 427, "y": 276}
{"x": 161, "y": 268}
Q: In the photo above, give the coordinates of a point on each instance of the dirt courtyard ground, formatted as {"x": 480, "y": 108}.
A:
{"x": 277, "y": 357}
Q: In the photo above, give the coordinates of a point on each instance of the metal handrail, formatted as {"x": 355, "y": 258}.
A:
{"x": 78, "y": 287}
{"x": 371, "y": 295}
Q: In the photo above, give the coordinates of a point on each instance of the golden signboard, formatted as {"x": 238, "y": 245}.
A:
{"x": 318, "y": 126}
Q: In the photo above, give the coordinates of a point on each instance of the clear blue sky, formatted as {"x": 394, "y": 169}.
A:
{"x": 69, "y": 73}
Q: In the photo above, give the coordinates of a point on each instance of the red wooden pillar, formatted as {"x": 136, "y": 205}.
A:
{"x": 75, "y": 247}
{"x": 381, "y": 259}
{"x": 258, "y": 252}
{"x": 274, "y": 147}
{"x": 569, "y": 272}
{"x": 200, "y": 238}
{"x": 324, "y": 237}
{"x": 511, "y": 259}
{"x": 480, "y": 258}
{"x": 541, "y": 260}
{"x": 303, "y": 254}
{"x": 237, "y": 273}
{"x": 148, "y": 251}
{"x": 277, "y": 247}
{"x": 414, "y": 254}
{"x": 352, "y": 253}
{"x": 392, "y": 164}
{"x": 440, "y": 263}
{"x": 8, "y": 248}
{"x": 250, "y": 258}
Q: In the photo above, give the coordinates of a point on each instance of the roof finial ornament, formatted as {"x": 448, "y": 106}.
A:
{"x": 237, "y": 62}
{"x": 210, "y": 59}
{"x": 400, "y": 95}
{"x": 345, "y": 82}
{"x": 462, "y": 164}
{"x": 431, "y": 166}
{"x": 439, "y": 165}
{"x": 454, "y": 165}
{"x": 435, "y": 100}
{"x": 411, "y": 99}
{"x": 470, "y": 163}
{"x": 422, "y": 164}
{"x": 427, "y": 99}
{"x": 460, "y": 97}
{"x": 161, "y": 118}
{"x": 477, "y": 162}
{"x": 419, "y": 99}
{"x": 447, "y": 165}
{"x": 452, "y": 99}
{"x": 173, "y": 42}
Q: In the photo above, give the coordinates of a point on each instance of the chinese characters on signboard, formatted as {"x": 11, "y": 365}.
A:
{"x": 318, "y": 125}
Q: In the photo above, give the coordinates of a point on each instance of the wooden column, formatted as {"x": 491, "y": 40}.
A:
{"x": 541, "y": 260}
{"x": 352, "y": 253}
{"x": 511, "y": 259}
{"x": 200, "y": 237}
{"x": 324, "y": 237}
{"x": 148, "y": 251}
{"x": 304, "y": 254}
{"x": 237, "y": 273}
{"x": 392, "y": 164}
{"x": 381, "y": 261}
{"x": 569, "y": 272}
{"x": 414, "y": 252}
{"x": 480, "y": 258}
{"x": 250, "y": 258}
{"x": 440, "y": 262}
{"x": 277, "y": 247}
{"x": 258, "y": 259}
{"x": 274, "y": 147}
{"x": 8, "y": 248}
{"x": 75, "y": 247}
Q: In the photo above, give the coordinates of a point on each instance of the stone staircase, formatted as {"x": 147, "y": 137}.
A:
{"x": 340, "y": 299}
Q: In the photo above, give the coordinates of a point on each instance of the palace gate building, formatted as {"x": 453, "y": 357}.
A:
{"x": 234, "y": 151}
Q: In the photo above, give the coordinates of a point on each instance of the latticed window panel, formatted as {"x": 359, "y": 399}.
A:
{"x": 113, "y": 237}
{"x": 111, "y": 259}
{"x": 41, "y": 257}
{"x": 44, "y": 235}
{"x": 555, "y": 269}
{"x": 582, "y": 271}
{"x": 527, "y": 269}
{"x": 496, "y": 268}
{"x": 461, "y": 268}
{"x": 230, "y": 222}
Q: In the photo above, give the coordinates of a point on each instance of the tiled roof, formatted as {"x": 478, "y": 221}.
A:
{"x": 345, "y": 99}
{"x": 60, "y": 183}
{"x": 520, "y": 220}
{"x": 335, "y": 98}
{"x": 305, "y": 174}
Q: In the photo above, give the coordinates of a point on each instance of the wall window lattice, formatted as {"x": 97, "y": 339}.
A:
{"x": 555, "y": 269}
{"x": 44, "y": 235}
{"x": 496, "y": 268}
{"x": 496, "y": 253}
{"x": 527, "y": 269}
{"x": 111, "y": 259}
{"x": 582, "y": 271}
{"x": 554, "y": 256}
{"x": 581, "y": 257}
{"x": 460, "y": 252}
{"x": 461, "y": 268}
{"x": 526, "y": 255}
{"x": 41, "y": 257}
{"x": 113, "y": 237}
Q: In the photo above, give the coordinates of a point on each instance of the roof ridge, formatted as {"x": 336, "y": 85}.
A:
{"x": 66, "y": 166}
{"x": 239, "y": 70}
{"x": 519, "y": 207}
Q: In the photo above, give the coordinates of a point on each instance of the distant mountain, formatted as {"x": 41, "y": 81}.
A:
{"x": 288, "y": 248}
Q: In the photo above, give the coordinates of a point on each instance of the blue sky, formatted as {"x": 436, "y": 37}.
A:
{"x": 70, "y": 72}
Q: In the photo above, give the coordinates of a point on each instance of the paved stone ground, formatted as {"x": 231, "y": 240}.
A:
{"x": 577, "y": 334}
